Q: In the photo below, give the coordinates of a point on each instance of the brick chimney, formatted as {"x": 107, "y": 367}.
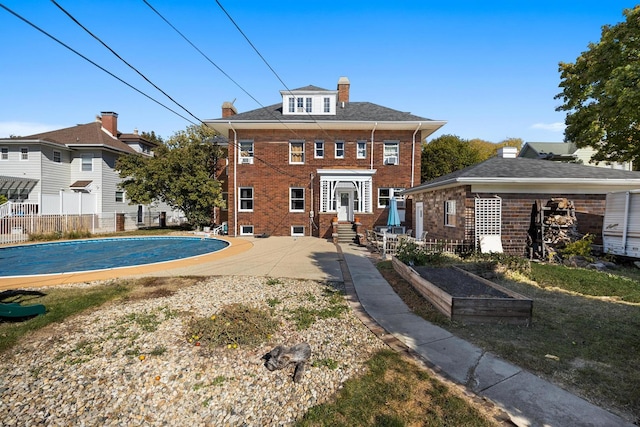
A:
{"x": 228, "y": 109}
{"x": 110, "y": 122}
{"x": 343, "y": 90}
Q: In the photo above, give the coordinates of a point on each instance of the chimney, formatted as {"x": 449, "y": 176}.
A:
{"x": 110, "y": 122}
{"x": 343, "y": 90}
{"x": 508, "y": 152}
{"x": 228, "y": 109}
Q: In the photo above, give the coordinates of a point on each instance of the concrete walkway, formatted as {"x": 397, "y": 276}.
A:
{"x": 526, "y": 398}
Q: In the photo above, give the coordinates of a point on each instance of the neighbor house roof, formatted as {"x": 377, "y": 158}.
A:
{"x": 549, "y": 150}
{"x": 85, "y": 135}
{"x": 519, "y": 170}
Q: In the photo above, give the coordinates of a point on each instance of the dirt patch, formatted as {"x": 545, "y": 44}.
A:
{"x": 457, "y": 284}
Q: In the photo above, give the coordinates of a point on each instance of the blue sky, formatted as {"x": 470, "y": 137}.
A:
{"x": 490, "y": 69}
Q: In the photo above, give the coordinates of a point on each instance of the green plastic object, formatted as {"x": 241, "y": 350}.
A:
{"x": 15, "y": 310}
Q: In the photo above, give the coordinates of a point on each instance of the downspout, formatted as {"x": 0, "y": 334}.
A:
{"x": 413, "y": 153}
{"x": 235, "y": 181}
{"x": 372, "y": 132}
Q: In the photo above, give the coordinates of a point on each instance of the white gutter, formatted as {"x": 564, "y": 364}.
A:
{"x": 372, "y": 132}
{"x": 235, "y": 190}
{"x": 413, "y": 152}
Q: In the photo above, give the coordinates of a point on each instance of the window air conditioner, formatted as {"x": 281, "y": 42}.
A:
{"x": 392, "y": 160}
{"x": 246, "y": 160}
{"x": 300, "y": 109}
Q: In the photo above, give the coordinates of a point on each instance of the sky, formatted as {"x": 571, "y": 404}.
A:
{"x": 489, "y": 69}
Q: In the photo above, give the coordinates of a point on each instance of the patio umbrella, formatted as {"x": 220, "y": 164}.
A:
{"x": 393, "y": 220}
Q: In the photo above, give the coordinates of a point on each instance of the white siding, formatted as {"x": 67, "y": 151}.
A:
{"x": 621, "y": 226}
{"x": 56, "y": 174}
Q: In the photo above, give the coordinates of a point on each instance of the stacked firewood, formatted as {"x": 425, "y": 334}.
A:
{"x": 556, "y": 226}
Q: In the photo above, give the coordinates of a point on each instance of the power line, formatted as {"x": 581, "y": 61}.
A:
{"x": 121, "y": 59}
{"x": 90, "y": 61}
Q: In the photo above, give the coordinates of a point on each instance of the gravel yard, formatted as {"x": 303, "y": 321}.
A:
{"x": 108, "y": 367}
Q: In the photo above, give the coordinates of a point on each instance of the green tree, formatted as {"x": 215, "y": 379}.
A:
{"x": 446, "y": 154}
{"x": 182, "y": 173}
{"x": 601, "y": 93}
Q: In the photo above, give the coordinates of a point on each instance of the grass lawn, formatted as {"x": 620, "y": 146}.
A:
{"x": 585, "y": 334}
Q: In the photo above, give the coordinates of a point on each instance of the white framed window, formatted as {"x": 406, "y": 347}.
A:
{"x": 327, "y": 104}
{"x": 296, "y": 199}
{"x": 119, "y": 196}
{"x": 87, "y": 163}
{"x": 391, "y": 153}
{"x": 300, "y": 105}
{"x": 4, "y": 153}
{"x": 385, "y": 194}
{"x": 361, "y": 149}
{"x": 297, "y": 230}
{"x": 450, "y": 213}
{"x": 245, "y": 201}
{"x": 24, "y": 153}
{"x": 246, "y": 230}
{"x": 292, "y": 104}
{"x": 319, "y": 149}
{"x": 246, "y": 152}
{"x": 308, "y": 105}
{"x": 296, "y": 152}
{"x": 339, "y": 149}
{"x": 57, "y": 157}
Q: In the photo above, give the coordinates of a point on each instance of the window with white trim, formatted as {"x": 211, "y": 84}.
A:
{"x": 391, "y": 153}
{"x": 24, "y": 153}
{"x": 450, "y": 213}
{"x": 246, "y": 152}
{"x": 300, "y": 104}
{"x": 296, "y": 199}
{"x": 119, "y": 196}
{"x": 361, "y": 152}
{"x": 245, "y": 201}
{"x": 319, "y": 149}
{"x": 4, "y": 153}
{"x": 327, "y": 104}
{"x": 296, "y": 152}
{"x": 308, "y": 105}
{"x": 292, "y": 105}
{"x": 246, "y": 230}
{"x": 385, "y": 195}
{"x": 297, "y": 230}
{"x": 339, "y": 149}
{"x": 87, "y": 163}
{"x": 57, "y": 157}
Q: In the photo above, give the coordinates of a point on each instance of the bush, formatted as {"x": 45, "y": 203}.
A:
{"x": 233, "y": 325}
{"x": 580, "y": 247}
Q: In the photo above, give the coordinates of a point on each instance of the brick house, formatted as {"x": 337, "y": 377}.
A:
{"x": 497, "y": 197}
{"x": 314, "y": 156}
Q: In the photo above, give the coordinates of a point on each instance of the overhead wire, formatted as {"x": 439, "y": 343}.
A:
{"x": 31, "y": 24}
{"x": 122, "y": 59}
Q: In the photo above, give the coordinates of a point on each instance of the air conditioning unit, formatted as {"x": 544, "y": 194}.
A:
{"x": 300, "y": 109}
{"x": 392, "y": 160}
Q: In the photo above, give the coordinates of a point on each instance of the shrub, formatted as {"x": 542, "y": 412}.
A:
{"x": 580, "y": 247}
{"x": 235, "y": 324}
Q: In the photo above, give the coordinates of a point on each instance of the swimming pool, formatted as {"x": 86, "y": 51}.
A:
{"x": 100, "y": 254}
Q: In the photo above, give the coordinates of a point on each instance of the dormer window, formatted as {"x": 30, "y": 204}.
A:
{"x": 292, "y": 105}
{"x": 309, "y": 100}
{"x": 300, "y": 108}
{"x": 327, "y": 104}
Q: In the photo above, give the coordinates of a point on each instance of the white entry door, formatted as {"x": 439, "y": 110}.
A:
{"x": 344, "y": 206}
{"x": 419, "y": 225}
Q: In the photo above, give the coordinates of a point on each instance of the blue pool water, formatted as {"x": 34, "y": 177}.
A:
{"x": 99, "y": 254}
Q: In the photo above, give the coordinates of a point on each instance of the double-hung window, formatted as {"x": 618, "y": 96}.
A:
{"x": 57, "y": 157}
{"x": 296, "y": 152}
{"x": 292, "y": 104}
{"x": 391, "y": 153}
{"x": 319, "y": 149}
{"x": 87, "y": 163}
{"x": 327, "y": 104}
{"x": 24, "y": 153}
{"x": 246, "y": 199}
{"x": 4, "y": 153}
{"x": 119, "y": 196}
{"x": 450, "y": 213}
{"x": 296, "y": 199}
{"x": 300, "y": 104}
{"x": 339, "y": 149}
{"x": 308, "y": 105}
{"x": 385, "y": 195}
{"x": 246, "y": 152}
{"x": 361, "y": 152}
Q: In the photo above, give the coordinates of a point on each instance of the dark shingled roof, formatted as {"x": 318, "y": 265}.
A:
{"x": 523, "y": 168}
{"x": 353, "y": 111}
{"x": 86, "y": 134}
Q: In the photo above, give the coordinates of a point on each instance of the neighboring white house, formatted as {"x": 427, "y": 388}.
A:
{"x": 567, "y": 152}
{"x": 71, "y": 170}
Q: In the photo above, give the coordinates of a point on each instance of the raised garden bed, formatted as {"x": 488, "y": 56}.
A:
{"x": 465, "y": 297}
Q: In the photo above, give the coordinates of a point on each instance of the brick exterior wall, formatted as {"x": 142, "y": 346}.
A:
{"x": 516, "y": 215}
{"x": 271, "y": 176}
